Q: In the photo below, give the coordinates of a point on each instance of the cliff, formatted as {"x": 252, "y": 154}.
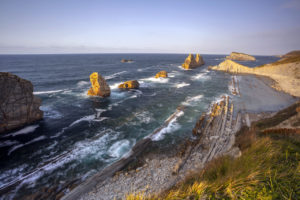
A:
{"x": 191, "y": 62}
{"x": 18, "y": 105}
{"x": 99, "y": 86}
{"x": 285, "y": 72}
{"x": 240, "y": 56}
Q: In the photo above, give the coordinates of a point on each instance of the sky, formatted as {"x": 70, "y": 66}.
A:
{"x": 258, "y": 27}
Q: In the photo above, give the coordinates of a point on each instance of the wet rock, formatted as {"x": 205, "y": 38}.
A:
{"x": 99, "y": 86}
{"x": 161, "y": 74}
{"x": 133, "y": 84}
{"x": 126, "y": 61}
{"x": 18, "y": 105}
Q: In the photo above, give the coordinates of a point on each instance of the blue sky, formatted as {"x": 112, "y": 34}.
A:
{"x": 155, "y": 26}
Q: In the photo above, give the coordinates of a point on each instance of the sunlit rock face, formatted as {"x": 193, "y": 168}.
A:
{"x": 161, "y": 74}
{"x": 133, "y": 84}
{"x": 99, "y": 86}
{"x": 191, "y": 62}
{"x": 240, "y": 56}
{"x": 18, "y": 105}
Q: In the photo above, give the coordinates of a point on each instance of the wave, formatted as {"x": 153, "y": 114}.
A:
{"x": 119, "y": 148}
{"x": 8, "y": 143}
{"x": 173, "y": 74}
{"x": 190, "y": 100}
{"x": 83, "y": 83}
{"x": 180, "y": 85}
{"x": 144, "y": 117}
{"x": 27, "y": 143}
{"x": 51, "y": 113}
{"x": 26, "y": 130}
{"x": 171, "y": 126}
{"x": 115, "y": 86}
{"x": 114, "y": 75}
{"x": 200, "y": 76}
{"x": 156, "y": 80}
{"x": 48, "y": 92}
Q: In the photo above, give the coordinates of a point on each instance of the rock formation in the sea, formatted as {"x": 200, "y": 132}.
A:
{"x": 133, "y": 84}
{"x": 126, "y": 60}
{"x": 191, "y": 62}
{"x": 285, "y": 72}
{"x": 161, "y": 74}
{"x": 99, "y": 86}
{"x": 240, "y": 57}
{"x": 18, "y": 105}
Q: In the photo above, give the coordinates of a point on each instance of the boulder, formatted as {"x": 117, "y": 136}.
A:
{"x": 126, "y": 60}
{"x": 99, "y": 86}
{"x": 240, "y": 57}
{"x": 162, "y": 74}
{"x": 191, "y": 62}
{"x": 18, "y": 105}
{"x": 133, "y": 84}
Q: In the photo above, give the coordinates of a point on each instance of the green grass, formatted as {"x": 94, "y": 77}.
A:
{"x": 268, "y": 169}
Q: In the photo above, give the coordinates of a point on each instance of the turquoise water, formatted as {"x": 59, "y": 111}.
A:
{"x": 80, "y": 135}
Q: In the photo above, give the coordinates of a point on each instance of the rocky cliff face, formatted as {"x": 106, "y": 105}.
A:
{"x": 18, "y": 105}
{"x": 285, "y": 72}
{"x": 99, "y": 86}
{"x": 240, "y": 56}
{"x": 191, "y": 62}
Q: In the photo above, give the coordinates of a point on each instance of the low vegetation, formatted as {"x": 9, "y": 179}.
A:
{"x": 269, "y": 167}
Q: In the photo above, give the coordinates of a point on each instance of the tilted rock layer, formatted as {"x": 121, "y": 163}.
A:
{"x": 18, "y": 105}
{"x": 286, "y": 72}
{"x": 240, "y": 56}
{"x": 133, "y": 84}
{"x": 162, "y": 74}
{"x": 191, "y": 62}
{"x": 99, "y": 86}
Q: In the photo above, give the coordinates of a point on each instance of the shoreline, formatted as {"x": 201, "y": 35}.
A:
{"x": 155, "y": 170}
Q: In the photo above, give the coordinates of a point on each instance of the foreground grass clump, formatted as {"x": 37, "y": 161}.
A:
{"x": 268, "y": 169}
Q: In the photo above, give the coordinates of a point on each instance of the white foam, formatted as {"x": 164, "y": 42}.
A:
{"x": 115, "y": 85}
{"x": 26, "y": 130}
{"x": 119, "y": 148}
{"x": 82, "y": 83}
{"x": 200, "y": 76}
{"x": 50, "y": 113}
{"x": 144, "y": 117}
{"x": 180, "y": 85}
{"x": 85, "y": 118}
{"x": 190, "y": 100}
{"x": 48, "y": 92}
{"x": 156, "y": 80}
{"x": 8, "y": 143}
{"x": 171, "y": 127}
{"x": 112, "y": 76}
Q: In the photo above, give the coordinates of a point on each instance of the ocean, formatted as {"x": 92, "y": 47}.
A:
{"x": 80, "y": 135}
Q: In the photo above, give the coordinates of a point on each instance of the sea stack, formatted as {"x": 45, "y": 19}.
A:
{"x": 133, "y": 84}
{"x": 161, "y": 74}
{"x": 191, "y": 62}
{"x": 18, "y": 105}
{"x": 240, "y": 57}
{"x": 99, "y": 86}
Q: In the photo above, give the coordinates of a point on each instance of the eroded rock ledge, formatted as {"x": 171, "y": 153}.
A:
{"x": 18, "y": 105}
{"x": 240, "y": 56}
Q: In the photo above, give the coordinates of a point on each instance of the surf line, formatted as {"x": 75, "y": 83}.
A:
{"x": 109, "y": 171}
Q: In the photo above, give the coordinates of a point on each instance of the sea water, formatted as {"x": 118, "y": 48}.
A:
{"x": 80, "y": 135}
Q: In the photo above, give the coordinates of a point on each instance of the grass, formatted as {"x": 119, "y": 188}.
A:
{"x": 269, "y": 168}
